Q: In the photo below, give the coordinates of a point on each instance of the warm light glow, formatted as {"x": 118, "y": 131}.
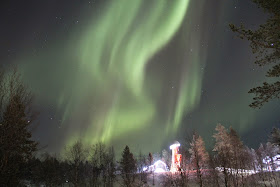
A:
{"x": 176, "y": 157}
{"x": 173, "y": 146}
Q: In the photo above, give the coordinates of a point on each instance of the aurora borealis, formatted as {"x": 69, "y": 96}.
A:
{"x": 136, "y": 72}
{"x": 118, "y": 60}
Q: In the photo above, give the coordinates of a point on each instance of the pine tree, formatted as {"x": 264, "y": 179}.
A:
{"x": 128, "y": 167}
{"x": 16, "y": 146}
{"x": 265, "y": 42}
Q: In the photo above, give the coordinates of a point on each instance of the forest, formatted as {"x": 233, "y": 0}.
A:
{"x": 24, "y": 161}
{"x": 228, "y": 163}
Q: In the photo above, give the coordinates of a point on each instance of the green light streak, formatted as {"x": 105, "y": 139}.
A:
{"x": 111, "y": 95}
{"x": 116, "y": 48}
{"x": 131, "y": 73}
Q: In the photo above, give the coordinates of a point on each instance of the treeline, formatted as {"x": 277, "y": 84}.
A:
{"x": 80, "y": 166}
{"x": 83, "y": 165}
{"x": 230, "y": 163}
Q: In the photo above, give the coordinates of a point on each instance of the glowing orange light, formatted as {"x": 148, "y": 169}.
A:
{"x": 176, "y": 157}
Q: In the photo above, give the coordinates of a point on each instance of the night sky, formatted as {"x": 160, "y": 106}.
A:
{"x": 136, "y": 72}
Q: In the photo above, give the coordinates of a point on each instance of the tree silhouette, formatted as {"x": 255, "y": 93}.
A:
{"x": 265, "y": 42}
{"x": 16, "y": 146}
{"x": 128, "y": 167}
{"x": 199, "y": 156}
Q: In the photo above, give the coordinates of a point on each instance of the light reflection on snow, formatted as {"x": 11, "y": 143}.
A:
{"x": 158, "y": 167}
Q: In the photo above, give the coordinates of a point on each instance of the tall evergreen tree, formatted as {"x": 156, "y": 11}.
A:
{"x": 128, "y": 167}
{"x": 16, "y": 146}
{"x": 265, "y": 42}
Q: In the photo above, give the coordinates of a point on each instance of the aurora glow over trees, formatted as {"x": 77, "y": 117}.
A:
{"x": 137, "y": 72}
{"x": 113, "y": 78}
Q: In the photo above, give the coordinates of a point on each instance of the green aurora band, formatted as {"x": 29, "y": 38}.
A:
{"x": 117, "y": 48}
{"x": 141, "y": 73}
{"x": 113, "y": 97}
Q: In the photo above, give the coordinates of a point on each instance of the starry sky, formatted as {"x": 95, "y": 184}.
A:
{"x": 140, "y": 73}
